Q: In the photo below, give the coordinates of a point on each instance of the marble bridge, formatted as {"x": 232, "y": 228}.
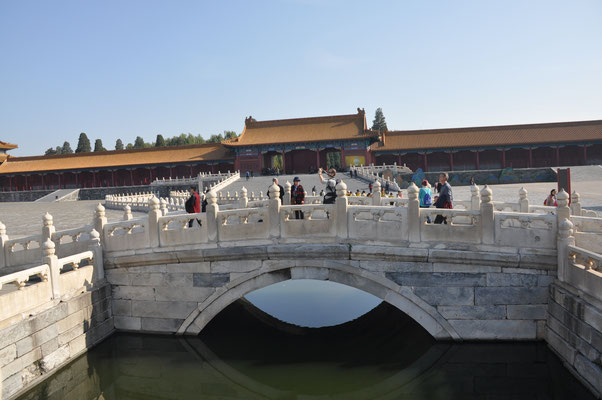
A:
{"x": 495, "y": 271}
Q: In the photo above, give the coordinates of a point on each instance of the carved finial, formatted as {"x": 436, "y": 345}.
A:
{"x": 413, "y": 191}
{"x": 211, "y": 198}
{"x": 474, "y": 189}
{"x": 48, "y": 248}
{"x": 100, "y": 210}
{"x": 486, "y": 194}
{"x": 243, "y": 192}
{"x": 47, "y": 218}
{"x": 575, "y": 197}
{"x": 565, "y": 229}
{"x": 2, "y": 229}
{"x": 522, "y": 193}
{"x": 562, "y": 198}
{"x": 341, "y": 188}
{"x": 94, "y": 235}
{"x": 287, "y": 186}
{"x": 274, "y": 191}
{"x": 153, "y": 203}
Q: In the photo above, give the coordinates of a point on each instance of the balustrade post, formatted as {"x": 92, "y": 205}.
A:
{"x": 3, "y": 239}
{"x": 414, "y": 224}
{"x": 287, "y": 193}
{"x": 100, "y": 220}
{"x": 50, "y": 258}
{"x": 565, "y": 238}
{"x": 487, "y": 216}
{"x": 274, "y": 210}
{"x": 563, "y": 210}
{"x": 48, "y": 228}
{"x": 576, "y": 204}
{"x": 340, "y": 216}
{"x": 475, "y": 198}
{"x": 376, "y": 193}
{"x": 523, "y": 201}
{"x": 127, "y": 213}
{"x": 243, "y": 201}
{"x": 212, "y": 210}
{"x": 153, "y": 221}
{"x": 95, "y": 247}
{"x": 163, "y": 207}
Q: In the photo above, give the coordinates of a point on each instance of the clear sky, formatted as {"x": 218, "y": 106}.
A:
{"x": 121, "y": 69}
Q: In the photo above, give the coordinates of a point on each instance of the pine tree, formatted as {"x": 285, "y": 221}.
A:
{"x": 160, "y": 142}
{"x": 83, "y": 144}
{"x": 66, "y": 148}
{"x": 50, "y": 152}
{"x": 139, "y": 143}
{"x": 379, "y": 124}
{"x": 98, "y": 146}
{"x": 118, "y": 145}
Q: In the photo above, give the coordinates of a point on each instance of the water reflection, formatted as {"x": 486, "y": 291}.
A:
{"x": 246, "y": 354}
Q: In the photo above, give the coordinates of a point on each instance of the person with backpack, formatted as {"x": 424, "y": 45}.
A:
{"x": 298, "y": 196}
{"x": 425, "y": 196}
{"x": 445, "y": 198}
{"x": 331, "y": 185}
{"x": 193, "y": 205}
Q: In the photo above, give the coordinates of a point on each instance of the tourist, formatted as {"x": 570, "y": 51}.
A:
{"x": 193, "y": 205}
{"x": 387, "y": 186}
{"x": 551, "y": 199}
{"x": 331, "y": 185}
{"x": 297, "y": 196}
{"x": 425, "y": 196}
{"x": 275, "y": 182}
{"x": 445, "y": 198}
{"x": 400, "y": 194}
{"x": 248, "y": 175}
{"x": 363, "y": 193}
{"x": 370, "y": 187}
{"x": 357, "y": 192}
{"x": 313, "y": 191}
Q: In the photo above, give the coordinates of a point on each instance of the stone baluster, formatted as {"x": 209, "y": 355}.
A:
{"x": 153, "y": 221}
{"x": 274, "y": 210}
{"x": 261, "y": 195}
{"x": 96, "y": 249}
{"x": 414, "y": 221}
{"x": 100, "y": 220}
{"x": 287, "y": 193}
{"x": 565, "y": 238}
{"x": 127, "y": 213}
{"x": 3, "y": 239}
{"x": 48, "y": 228}
{"x": 475, "y": 198}
{"x": 340, "y": 215}
{"x": 163, "y": 207}
{"x": 487, "y": 216}
{"x": 253, "y": 196}
{"x": 523, "y": 200}
{"x": 376, "y": 193}
{"x": 576, "y": 204}
{"x": 243, "y": 201}
{"x": 49, "y": 257}
{"x": 563, "y": 210}
{"x": 212, "y": 211}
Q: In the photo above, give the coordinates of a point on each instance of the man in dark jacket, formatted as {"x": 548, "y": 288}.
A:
{"x": 445, "y": 198}
{"x": 297, "y": 196}
{"x": 275, "y": 181}
{"x": 193, "y": 205}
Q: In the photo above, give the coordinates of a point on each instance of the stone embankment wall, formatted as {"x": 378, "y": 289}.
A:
{"x": 490, "y": 177}
{"x": 34, "y": 348}
{"x": 91, "y": 193}
{"x": 574, "y": 332}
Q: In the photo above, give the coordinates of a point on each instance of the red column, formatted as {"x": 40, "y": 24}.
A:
{"x": 283, "y": 162}
{"x": 557, "y": 155}
{"x": 342, "y": 158}
{"x": 424, "y": 161}
{"x": 476, "y": 160}
{"x": 59, "y": 176}
{"x": 399, "y": 159}
{"x": 76, "y": 179}
{"x": 150, "y": 174}
{"x": 93, "y": 178}
{"x": 451, "y": 160}
{"x": 317, "y": 158}
{"x": 530, "y": 158}
{"x": 584, "y": 155}
{"x": 190, "y": 172}
{"x": 113, "y": 177}
{"x": 26, "y": 186}
{"x": 170, "y": 172}
{"x": 503, "y": 158}
{"x": 10, "y": 183}
{"x": 131, "y": 177}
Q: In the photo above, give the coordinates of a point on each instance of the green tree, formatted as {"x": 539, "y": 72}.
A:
{"x": 230, "y": 135}
{"x": 98, "y": 146}
{"x": 139, "y": 143}
{"x": 215, "y": 138}
{"x": 66, "y": 148}
{"x": 333, "y": 159}
{"x": 160, "y": 142}
{"x": 50, "y": 152}
{"x": 83, "y": 144}
{"x": 118, "y": 145}
{"x": 129, "y": 146}
{"x": 379, "y": 124}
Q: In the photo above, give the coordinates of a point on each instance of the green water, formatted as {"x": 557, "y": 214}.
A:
{"x": 246, "y": 354}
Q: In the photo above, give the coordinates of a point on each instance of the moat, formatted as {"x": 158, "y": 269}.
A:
{"x": 244, "y": 353}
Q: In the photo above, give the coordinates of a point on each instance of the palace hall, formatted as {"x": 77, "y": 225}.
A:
{"x": 302, "y": 145}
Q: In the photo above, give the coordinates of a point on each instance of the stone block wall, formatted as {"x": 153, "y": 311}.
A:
{"x": 34, "y": 348}
{"x": 575, "y": 333}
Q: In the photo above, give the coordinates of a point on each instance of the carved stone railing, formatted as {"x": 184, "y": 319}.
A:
{"x": 373, "y": 173}
{"x": 202, "y": 177}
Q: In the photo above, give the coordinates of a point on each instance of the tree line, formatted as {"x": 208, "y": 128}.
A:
{"x": 84, "y": 146}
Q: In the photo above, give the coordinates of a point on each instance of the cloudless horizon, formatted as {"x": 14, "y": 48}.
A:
{"x": 121, "y": 69}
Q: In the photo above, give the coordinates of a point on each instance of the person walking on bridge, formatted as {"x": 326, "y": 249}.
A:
{"x": 193, "y": 205}
{"x": 331, "y": 185}
{"x": 445, "y": 198}
{"x": 297, "y": 196}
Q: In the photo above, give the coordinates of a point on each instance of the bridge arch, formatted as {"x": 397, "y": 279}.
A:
{"x": 401, "y": 297}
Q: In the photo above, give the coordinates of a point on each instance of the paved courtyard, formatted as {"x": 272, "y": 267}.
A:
{"x": 22, "y": 219}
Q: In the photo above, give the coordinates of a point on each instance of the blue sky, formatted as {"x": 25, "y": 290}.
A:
{"x": 121, "y": 69}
